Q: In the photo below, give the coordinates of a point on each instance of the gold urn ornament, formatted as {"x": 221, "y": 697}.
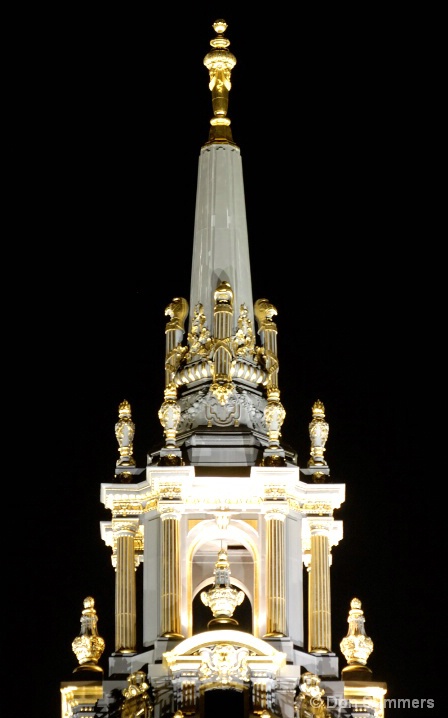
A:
{"x": 88, "y": 646}
{"x": 222, "y": 598}
{"x": 356, "y": 646}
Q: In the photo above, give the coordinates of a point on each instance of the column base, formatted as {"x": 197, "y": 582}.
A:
{"x": 274, "y": 634}
{"x": 88, "y": 667}
{"x": 222, "y": 622}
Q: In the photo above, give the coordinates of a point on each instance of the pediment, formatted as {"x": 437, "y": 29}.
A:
{"x": 224, "y": 656}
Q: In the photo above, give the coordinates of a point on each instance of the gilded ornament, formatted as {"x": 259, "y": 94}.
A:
{"x": 177, "y": 310}
{"x": 264, "y": 312}
{"x": 137, "y": 701}
{"x": 356, "y": 646}
{"x": 222, "y": 598}
{"x": 220, "y": 63}
{"x": 199, "y": 338}
{"x": 244, "y": 342}
{"x": 222, "y": 391}
{"x": 169, "y": 415}
{"x": 309, "y": 703}
{"x": 88, "y": 646}
{"x": 124, "y": 432}
{"x": 318, "y": 430}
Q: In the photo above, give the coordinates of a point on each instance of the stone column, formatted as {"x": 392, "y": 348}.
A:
{"x": 126, "y": 561}
{"x": 275, "y": 574}
{"x": 170, "y": 598}
{"x": 319, "y": 605}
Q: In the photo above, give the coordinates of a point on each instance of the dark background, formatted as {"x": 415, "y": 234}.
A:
{"x": 326, "y": 106}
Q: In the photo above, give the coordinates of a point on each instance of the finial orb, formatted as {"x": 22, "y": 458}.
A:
{"x": 220, "y": 26}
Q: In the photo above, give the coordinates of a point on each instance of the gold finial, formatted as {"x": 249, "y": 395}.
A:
{"x": 222, "y": 598}
{"x": 318, "y": 430}
{"x": 124, "y": 432}
{"x": 264, "y": 312}
{"x": 88, "y": 646}
{"x": 177, "y": 310}
{"x": 169, "y": 416}
{"x": 356, "y": 646}
{"x": 220, "y": 63}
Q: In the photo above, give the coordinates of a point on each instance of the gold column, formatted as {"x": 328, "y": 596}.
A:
{"x": 319, "y": 606}
{"x": 275, "y": 574}
{"x": 177, "y": 310}
{"x": 267, "y": 329}
{"x": 125, "y": 586}
{"x": 170, "y": 618}
{"x": 222, "y": 386}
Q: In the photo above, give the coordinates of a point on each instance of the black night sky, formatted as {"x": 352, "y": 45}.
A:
{"x": 323, "y": 106}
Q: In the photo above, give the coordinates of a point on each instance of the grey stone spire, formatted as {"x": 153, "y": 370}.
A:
{"x": 221, "y": 400}
{"x": 221, "y": 245}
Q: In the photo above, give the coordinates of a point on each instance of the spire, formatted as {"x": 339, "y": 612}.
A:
{"x": 224, "y": 378}
{"x": 220, "y": 63}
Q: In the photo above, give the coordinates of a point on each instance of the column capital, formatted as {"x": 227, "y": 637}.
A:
{"x": 125, "y": 527}
{"x": 275, "y": 514}
{"x": 320, "y": 526}
{"x": 166, "y": 512}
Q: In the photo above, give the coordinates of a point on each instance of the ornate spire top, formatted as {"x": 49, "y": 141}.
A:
{"x": 220, "y": 63}
{"x": 356, "y": 646}
{"x": 88, "y": 646}
{"x": 318, "y": 409}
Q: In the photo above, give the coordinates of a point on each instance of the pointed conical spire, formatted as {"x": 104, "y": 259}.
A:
{"x": 222, "y": 379}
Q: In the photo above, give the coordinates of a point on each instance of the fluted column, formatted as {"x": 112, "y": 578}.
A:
{"x": 275, "y": 573}
{"x": 319, "y": 602}
{"x": 267, "y": 330}
{"x": 177, "y": 310}
{"x": 125, "y": 585}
{"x": 222, "y": 386}
{"x": 170, "y": 617}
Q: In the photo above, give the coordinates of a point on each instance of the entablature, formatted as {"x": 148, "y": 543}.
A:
{"x": 256, "y": 491}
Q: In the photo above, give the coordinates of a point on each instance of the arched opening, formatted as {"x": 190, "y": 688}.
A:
{"x": 204, "y": 541}
{"x": 224, "y": 702}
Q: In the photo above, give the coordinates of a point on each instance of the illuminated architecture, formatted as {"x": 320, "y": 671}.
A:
{"x": 223, "y": 521}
